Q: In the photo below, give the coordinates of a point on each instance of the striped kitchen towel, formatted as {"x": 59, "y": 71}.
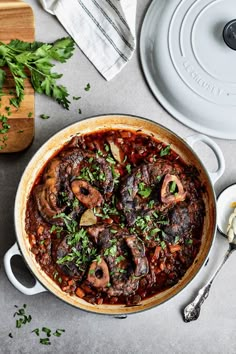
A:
{"x": 103, "y": 29}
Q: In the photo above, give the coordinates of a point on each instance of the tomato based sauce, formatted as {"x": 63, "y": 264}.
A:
{"x": 115, "y": 217}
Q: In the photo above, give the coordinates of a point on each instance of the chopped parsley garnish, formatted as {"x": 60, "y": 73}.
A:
{"x": 92, "y": 173}
{"x": 115, "y": 175}
{"x": 128, "y": 168}
{"x": 151, "y": 204}
{"x": 119, "y": 259}
{"x": 82, "y": 255}
{"x": 57, "y": 229}
{"x": 47, "y": 331}
{"x": 111, "y": 251}
{"x": 76, "y": 98}
{"x": 5, "y": 126}
{"x": 111, "y": 160}
{"x": 189, "y": 241}
{"x": 58, "y": 332}
{"x": 144, "y": 190}
{"x": 163, "y": 245}
{"x": 176, "y": 239}
{"x": 154, "y": 231}
{"x": 8, "y": 110}
{"x": 173, "y": 187}
{"x": 86, "y": 174}
{"x": 98, "y": 259}
{"x": 44, "y": 330}
{"x": 113, "y": 231}
{"x": 45, "y": 341}
{"x": 130, "y": 191}
{"x": 165, "y": 151}
{"x": 109, "y": 209}
{"x": 106, "y": 147}
{"x": 121, "y": 270}
{"x": 36, "y": 331}
{"x": 163, "y": 222}
{"x": 87, "y": 88}
{"x": 142, "y": 222}
{"x": 44, "y": 116}
{"x": 21, "y": 317}
{"x": 99, "y": 153}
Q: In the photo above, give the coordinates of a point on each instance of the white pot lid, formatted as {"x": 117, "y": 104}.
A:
{"x": 187, "y": 64}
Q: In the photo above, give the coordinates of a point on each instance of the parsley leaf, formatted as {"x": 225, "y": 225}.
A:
{"x": 87, "y": 88}
{"x": 173, "y": 187}
{"x": 34, "y": 60}
{"x": 143, "y": 190}
{"x": 44, "y": 116}
{"x": 165, "y": 151}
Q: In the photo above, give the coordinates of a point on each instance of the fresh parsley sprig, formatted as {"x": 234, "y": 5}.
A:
{"x": 35, "y": 61}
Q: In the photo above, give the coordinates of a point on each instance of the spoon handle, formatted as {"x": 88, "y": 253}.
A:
{"x": 192, "y": 311}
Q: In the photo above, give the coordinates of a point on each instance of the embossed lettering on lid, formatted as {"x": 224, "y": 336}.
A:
{"x": 188, "y": 65}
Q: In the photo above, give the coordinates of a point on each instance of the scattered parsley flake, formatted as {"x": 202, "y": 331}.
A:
{"x": 165, "y": 151}
{"x": 189, "y": 241}
{"x": 47, "y": 331}
{"x": 173, "y": 187}
{"x": 128, "y": 168}
{"x": 44, "y": 116}
{"x": 87, "y": 88}
{"x": 163, "y": 245}
{"x": 106, "y": 147}
{"x": 58, "y": 332}
{"x": 45, "y": 341}
{"x": 36, "y": 331}
{"x": 144, "y": 190}
{"x": 151, "y": 204}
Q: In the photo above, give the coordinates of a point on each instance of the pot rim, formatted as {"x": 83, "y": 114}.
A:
{"x": 122, "y": 310}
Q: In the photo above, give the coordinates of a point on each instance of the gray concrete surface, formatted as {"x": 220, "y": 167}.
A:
{"x": 160, "y": 330}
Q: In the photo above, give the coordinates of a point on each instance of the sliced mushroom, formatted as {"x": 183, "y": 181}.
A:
{"x": 98, "y": 274}
{"x": 86, "y": 194}
{"x": 88, "y": 218}
{"x": 166, "y": 196}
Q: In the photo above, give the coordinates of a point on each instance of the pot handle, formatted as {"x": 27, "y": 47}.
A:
{"x": 214, "y": 176}
{"x": 13, "y": 251}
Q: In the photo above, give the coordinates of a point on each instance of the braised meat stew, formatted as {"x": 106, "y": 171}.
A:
{"x": 115, "y": 217}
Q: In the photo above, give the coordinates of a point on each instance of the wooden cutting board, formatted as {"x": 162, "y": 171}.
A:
{"x": 17, "y": 22}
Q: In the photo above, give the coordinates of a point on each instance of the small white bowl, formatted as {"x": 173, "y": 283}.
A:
{"x": 224, "y": 209}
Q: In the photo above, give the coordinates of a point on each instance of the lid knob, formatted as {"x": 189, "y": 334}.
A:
{"x": 229, "y": 34}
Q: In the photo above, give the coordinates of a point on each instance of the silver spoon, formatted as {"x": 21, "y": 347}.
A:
{"x": 192, "y": 311}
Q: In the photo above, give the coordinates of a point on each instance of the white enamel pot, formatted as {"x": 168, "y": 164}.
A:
{"x": 52, "y": 146}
